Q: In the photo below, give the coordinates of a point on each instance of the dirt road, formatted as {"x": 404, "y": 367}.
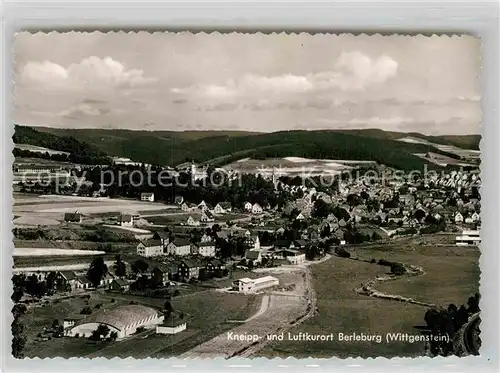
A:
{"x": 280, "y": 310}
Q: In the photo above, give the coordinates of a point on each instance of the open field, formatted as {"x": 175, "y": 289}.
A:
{"x": 231, "y": 216}
{"x": 38, "y": 149}
{"x": 76, "y": 244}
{"x": 291, "y": 166}
{"x": 36, "y": 210}
{"x": 176, "y": 218}
{"x": 31, "y": 251}
{"x": 442, "y": 160}
{"x": 452, "y": 275}
{"x": 40, "y": 262}
{"x": 127, "y": 229}
{"x": 147, "y": 344}
{"x": 58, "y": 267}
{"x": 42, "y": 161}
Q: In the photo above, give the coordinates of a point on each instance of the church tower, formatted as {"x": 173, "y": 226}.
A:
{"x": 275, "y": 179}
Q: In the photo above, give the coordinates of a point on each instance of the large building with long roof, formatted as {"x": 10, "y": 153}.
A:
{"x": 123, "y": 320}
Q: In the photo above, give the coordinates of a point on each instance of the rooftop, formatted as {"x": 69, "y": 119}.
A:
{"x": 151, "y": 243}
{"x": 121, "y": 317}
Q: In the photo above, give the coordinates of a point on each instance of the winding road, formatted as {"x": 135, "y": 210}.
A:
{"x": 311, "y": 308}
{"x": 279, "y": 311}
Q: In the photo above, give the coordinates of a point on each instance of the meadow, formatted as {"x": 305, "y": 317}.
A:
{"x": 451, "y": 276}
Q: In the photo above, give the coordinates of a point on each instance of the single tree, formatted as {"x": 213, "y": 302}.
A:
{"x": 139, "y": 266}
{"x": 97, "y": 270}
{"x": 119, "y": 267}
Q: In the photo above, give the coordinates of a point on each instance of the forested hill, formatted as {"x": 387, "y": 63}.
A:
{"x": 79, "y": 151}
{"x": 172, "y": 148}
{"x": 461, "y": 141}
{"x": 309, "y": 144}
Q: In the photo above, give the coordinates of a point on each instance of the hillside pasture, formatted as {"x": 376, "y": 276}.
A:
{"x": 33, "y": 252}
{"x": 34, "y": 210}
{"x": 289, "y": 166}
{"x": 39, "y": 149}
{"x": 451, "y": 276}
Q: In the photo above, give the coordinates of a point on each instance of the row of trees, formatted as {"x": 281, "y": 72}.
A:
{"x": 31, "y": 285}
{"x": 37, "y": 288}
{"x": 131, "y": 181}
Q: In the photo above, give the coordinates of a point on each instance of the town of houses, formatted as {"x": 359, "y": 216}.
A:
{"x": 314, "y": 219}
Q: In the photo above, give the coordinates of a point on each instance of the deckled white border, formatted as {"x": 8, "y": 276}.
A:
{"x": 477, "y": 18}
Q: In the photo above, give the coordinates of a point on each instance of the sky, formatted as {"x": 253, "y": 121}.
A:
{"x": 247, "y": 82}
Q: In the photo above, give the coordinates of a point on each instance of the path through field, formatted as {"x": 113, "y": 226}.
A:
{"x": 279, "y": 311}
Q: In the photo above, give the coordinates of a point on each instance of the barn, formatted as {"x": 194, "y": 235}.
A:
{"x": 123, "y": 320}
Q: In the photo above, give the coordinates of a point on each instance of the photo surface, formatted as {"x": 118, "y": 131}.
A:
{"x": 245, "y": 195}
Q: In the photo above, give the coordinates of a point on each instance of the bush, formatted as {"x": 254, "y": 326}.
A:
{"x": 97, "y": 306}
{"x": 86, "y": 311}
{"x": 398, "y": 269}
{"x": 343, "y": 253}
{"x": 373, "y": 260}
{"x": 176, "y": 293}
{"x": 112, "y": 300}
{"x": 384, "y": 262}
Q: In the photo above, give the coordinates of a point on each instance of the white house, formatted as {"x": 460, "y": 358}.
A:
{"x": 179, "y": 246}
{"x": 475, "y": 217}
{"x": 248, "y": 206}
{"x": 149, "y": 197}
{"x": 150, "y": 248}
{"x": 293, "y": 256}
{"x": 300, "y": 216}
{"x": 186, "y": 207}
{"x": 191, "y": 222}
{"x": 459, "y": 218}
{"x": 222, "y": 208}
{"x": 253, "y": 242}
{"x": 126, "y": 220}
{"x": 83, "y": 283}
{"x": 256, "y": 209}
{"x": 296, "y": 258}
{"x": 206, "y": 238}
{"x": 202, "y": 205}
{"x": 172, "y": 325}
{"x": 206, "y": 249}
